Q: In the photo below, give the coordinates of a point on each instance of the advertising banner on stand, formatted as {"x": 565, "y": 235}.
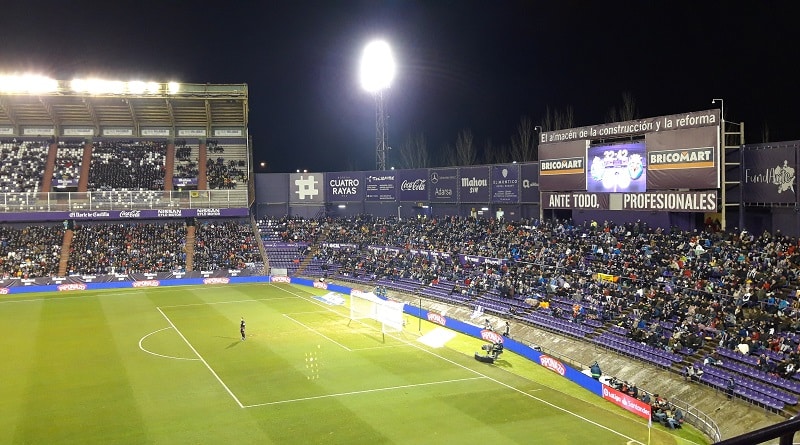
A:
{"x": 683, "y": 159}
{"x": 380, "y": 186}
{"x": 345, "y": 186}
{"x": 505, "y": 183}
{"x": 306, "y": 188}
{"x": 770, "y": 173}
{"x": 562, "y": 166}
{"x": 474, "y": 185}
{"x": 690, "y": 201}
{"x": 413, "y": 185}
{"x": 443, "y": 185}
{"x": 529, "y": 183}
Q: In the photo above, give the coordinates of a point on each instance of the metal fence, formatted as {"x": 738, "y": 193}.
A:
{"x": 121, "y": 200}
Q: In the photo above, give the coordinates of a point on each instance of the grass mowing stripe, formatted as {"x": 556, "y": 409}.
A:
{"x": 526, "y": 394}
{"x": 76, "y": 374}
{"x": 202, "y": 359}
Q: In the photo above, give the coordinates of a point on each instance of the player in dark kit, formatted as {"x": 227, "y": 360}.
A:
{"x": 241, "y": 328}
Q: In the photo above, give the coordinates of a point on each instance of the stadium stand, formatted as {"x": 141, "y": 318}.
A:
{"x": 67, "y": 169}
{"x": 121, "y": 166}
{"x": 228, "y": 171}
{"x": 127, "y": 248}
{"x": 22, "y": 167}
{"x": 225, "y": 245}
{"x": 29, "y": 252}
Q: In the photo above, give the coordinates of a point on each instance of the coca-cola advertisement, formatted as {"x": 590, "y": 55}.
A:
{"x": 443, "y": 185}
{"x": 505, "y": 183}
{"x": 84, "y": 215}
{"x": 413, "y": 185}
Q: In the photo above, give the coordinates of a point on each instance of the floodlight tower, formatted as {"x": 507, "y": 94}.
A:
{"x": 377, "y": 73}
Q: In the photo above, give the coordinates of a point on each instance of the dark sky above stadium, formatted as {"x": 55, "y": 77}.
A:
{"x": 478, "y": 65}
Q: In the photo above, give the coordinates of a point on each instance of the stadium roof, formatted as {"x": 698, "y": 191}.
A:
{"x": 161, "y": 105}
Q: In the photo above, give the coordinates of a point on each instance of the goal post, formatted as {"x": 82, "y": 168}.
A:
{"x": 366, "y": 305}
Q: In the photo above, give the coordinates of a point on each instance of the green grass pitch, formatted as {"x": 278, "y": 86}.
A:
{"x": 167, "y": 366}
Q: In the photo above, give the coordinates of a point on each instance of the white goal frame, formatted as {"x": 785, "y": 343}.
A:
{"x": 368, "y": 305}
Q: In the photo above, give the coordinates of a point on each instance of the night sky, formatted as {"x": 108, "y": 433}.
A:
{"x": 477, "y": 65}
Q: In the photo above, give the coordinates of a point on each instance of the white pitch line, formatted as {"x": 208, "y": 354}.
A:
{"x": 319, "y": 333}
{"x": 202, "y": 359}
{"x": 160, "y": 355}
{"x": 366, "y": 391}
{"x": 402, "y": 345}
{"x": 249, "y": 300}
{"x": 587, "y": 420}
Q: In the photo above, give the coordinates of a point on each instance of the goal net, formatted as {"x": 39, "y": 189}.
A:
{"x": 368, "y": 305}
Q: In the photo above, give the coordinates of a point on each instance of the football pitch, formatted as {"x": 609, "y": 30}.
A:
{"x": 167, "y": 366}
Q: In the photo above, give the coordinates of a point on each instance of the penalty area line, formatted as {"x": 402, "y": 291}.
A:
{"x": 510, "y": 387}
{"x": 319, "y": 333}
{"x": 365, "y": 391}
{"x": 200, "y": 357}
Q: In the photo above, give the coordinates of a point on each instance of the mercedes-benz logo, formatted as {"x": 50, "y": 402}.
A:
{"x": 434, "y": 177}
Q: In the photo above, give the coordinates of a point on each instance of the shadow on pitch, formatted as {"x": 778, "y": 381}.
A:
{"x": 502, "y": 363}
{"x": 233, "y": 344}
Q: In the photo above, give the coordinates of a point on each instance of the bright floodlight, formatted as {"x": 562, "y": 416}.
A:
{"x": 173, "y": 87}
{"x": 377, "y": 66}
{"x": 27, "y": 83}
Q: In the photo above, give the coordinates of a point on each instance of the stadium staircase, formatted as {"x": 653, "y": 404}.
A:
{"x": 189, "y": 247}
{"x": 260, "y": 241}
{"x": 66, "y": 244}
{"x": 169, "y": 166}
{"x": 314, "y": 249}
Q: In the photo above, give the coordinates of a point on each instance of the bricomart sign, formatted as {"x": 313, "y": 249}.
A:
{"x": 663, "y": 153}
{"x": 562, "y": 166}
{"x": 683, "y": 158}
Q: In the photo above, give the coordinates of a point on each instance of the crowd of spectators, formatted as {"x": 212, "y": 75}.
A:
{"x": 133, "y": 165}
{"x": 128, "y": 248}
{"x": 225, "y": 245}
{"x": 22, "y": 165}
{"x": 223, "y": 174}
{"x": 67, "y": 166}
{"x": 671, "y": 289}
{"x": 30, "y": 252}
{"x": 185, "y": 166}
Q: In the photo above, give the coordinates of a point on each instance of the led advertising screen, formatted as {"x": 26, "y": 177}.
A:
{"x": 619, "y": 168}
